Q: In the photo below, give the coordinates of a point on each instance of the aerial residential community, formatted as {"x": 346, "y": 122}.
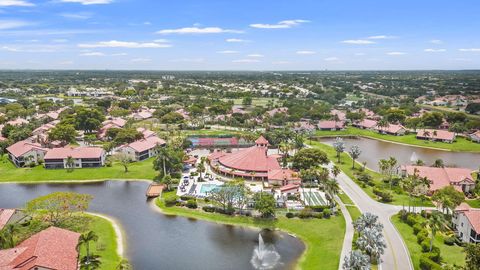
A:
{"x": 239, "y": 135}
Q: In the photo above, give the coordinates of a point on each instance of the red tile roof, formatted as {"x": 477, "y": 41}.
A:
{"x": 367, "y": 123}
{"x": 330, "y": 124}
{"x": 341, "y": 115}
{"x": 117, "y": 121}
{"x": 277, "y": 110}
{"x": 393, "y": 129}
{"x": 145, "y": 144}
{"x": 261, "y": 140}
{"x": 440, "y": 134}
{"x": 78, "y": 152}
{"x": 289, "y": 187}
{"x": 52, "y": 248}
{"x": 17, "y": 122}
{"x": 441, "y": 177}
{"x": 250, "y": 159}
{"x": 283, "y": 174}
{"x": 22, "y": 147}
{"x": 5, "y": 216}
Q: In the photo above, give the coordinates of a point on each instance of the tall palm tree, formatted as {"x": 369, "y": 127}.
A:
{"x": 335, "y": 171}
{"x": 85, "y": 239}
{"x": 91, "y": 262}
{"x": 332, "y": 187}
{"x": 70, "y": 163}
{"x": 436, "y": 222}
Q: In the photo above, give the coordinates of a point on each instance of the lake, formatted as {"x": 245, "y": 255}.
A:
{"x": 157, "y": 241}
{"x": 374, "y": 150}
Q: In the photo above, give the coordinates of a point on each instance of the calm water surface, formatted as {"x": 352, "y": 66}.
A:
{"x": 374, "y": 150}
{"x": 156, "y": 241}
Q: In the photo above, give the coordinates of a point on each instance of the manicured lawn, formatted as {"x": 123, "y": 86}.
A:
{"x": 450, "y": 254}
{"x": 345, "y": 199}
{"x": 346, "y": 166}
{"x": 323, "y": 237}
{"x": 473, "y": 203}
{"x": 461, "y": 144}
{"x": 354, "y": 212}
{"x": 137, "y": 170}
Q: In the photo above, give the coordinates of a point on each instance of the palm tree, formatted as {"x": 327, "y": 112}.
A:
{"x": 124, "y": 265}
{"x": 90, "y": 262}
{"x": 356, "y": 260}
{"x": 436, "y": 222}
{"x": 367, "y": 221}
{"x": 371, "y": 241}
{"x": 383, "y": 123}
{"x": 335, "y": 171}
{"x": 339, "y": 147}
{"x": 70, "y": 163}
{"x": 354, "y": 154}
{"x": 7, "y": 236}
{"x": 85, "y": 239}
{"x": 332, "y": 187}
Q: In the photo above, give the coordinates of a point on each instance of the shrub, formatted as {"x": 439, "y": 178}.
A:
{"x": 449, "y": 240}
{"x": 327, "y": 213}
{"x": 186, "y": 198}
{"x": 385, "y": 195}
{"x": 417, "y": 228}
{"x": 305, "y": 213}
{"x": 426, "y": 247}
{"x": 209, "y": 209}
{"x": 412, "y": 219}
{"x": 192, "y": 203}
{"x": 364, "y": 177}
{"x": 422, "y": 236}
{"x": 171, "y": 201}
{"x": 318, "y": 208}
{"x": 434, "y": 255}
{"x": 290, "y": 215}
{"x": 427, "y": 264}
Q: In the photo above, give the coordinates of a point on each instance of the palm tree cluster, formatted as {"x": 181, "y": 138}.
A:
{"x": 356, "y": 260}
{"x": 370, "y": 240}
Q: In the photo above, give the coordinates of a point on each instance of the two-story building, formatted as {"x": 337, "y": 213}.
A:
{"x": 79, "y": 157}
{"x": 466, "y": 223}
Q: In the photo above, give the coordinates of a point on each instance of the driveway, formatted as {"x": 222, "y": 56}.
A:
{"x": 396, "y": 255}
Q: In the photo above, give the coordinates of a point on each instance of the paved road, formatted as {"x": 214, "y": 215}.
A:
{"x": 396, "y": 255}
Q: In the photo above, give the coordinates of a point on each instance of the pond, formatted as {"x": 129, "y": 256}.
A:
{"x": 374, "y": 150}
{"x": 157, "y": 241}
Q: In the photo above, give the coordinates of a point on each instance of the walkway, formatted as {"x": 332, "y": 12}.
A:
{"x": 396, "y": 255}
{"x": 349, "y": 232}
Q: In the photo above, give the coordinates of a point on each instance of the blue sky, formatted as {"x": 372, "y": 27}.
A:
{"x": 240, "y": 35}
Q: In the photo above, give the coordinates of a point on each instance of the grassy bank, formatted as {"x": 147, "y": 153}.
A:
{"x": 323, "y": 237}
{"x": 346, "y": 166}
{"x": 137, "y": 170}
{"x": 450, "y": 254}
{"x": 460, "y": 145}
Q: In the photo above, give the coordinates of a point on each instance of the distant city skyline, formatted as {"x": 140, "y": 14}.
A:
{"x": 239, "y": 35}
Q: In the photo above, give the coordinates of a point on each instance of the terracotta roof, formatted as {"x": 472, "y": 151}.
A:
{"x": 250, "y": 159}
{"x": 22, "y": 147}
{"x": 5, "y": 216}
{"x": 441, "y": 177}
{"x": 261, "y": 140}
{"x": 52, "y": 248}
{"x": 78, "y": 152}
{"x": 17, "y": 122}
{"x": 330, "y": 124}
{"x": 341, "y": 115}
{"x": 289, "y": 187}
{"x": 391, "y": 128}
{"x": 2, "y": 138}
{"x": 146, "y": 132}
{"x": 277, "y": 110}
{"x": 440, "y": 134}
{"x": 283, "y": 174}
{"x": 367, "y": 123}
{"x": 145, "y": 144}
{"x": 117, "y": 121}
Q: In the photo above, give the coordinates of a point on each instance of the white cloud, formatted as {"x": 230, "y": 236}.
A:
{"x": 331, "y": 59}
{"x": 359, "y": 54}
{"x": 162, "y": 40}
{"x": 124, "y": 44}
{"x": 436, "y": 41}
{"x": 256, "y": 55}
{"x": 141, "y": 60}
{"x": 88, "y": 2}
{"x": 92, "y": 54}
{"x": 11, "y": 24}
{"x": 236, "y": 40}
{"x": 227, "y": 52}
{"x": 381, "y": 37}
{"x": 77, "y": 16}
{"x": 246, "y": 61}
{"x": 197, "y": 30}
{"x": 280, "y": 62}
{"x": 60, "y": 40}
{"x": 470, "y": 50}
{"x": 18, "y": 3}
{"x": 306, "y": 52}
{"x": 434, "y": 50}
{"x": 119, "y": 54}
{"x": 358, "y": 41}
{"x": 396, "y": 53}
{"x": 279, "y": 25}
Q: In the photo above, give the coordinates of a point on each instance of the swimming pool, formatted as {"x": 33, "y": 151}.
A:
{"x": 205, "y": 188}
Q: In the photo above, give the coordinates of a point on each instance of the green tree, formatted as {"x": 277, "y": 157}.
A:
{"x": 354, "y": 154}
{"x": 472, "y": 259}
{"x": 124, "y": 265}
{"x": 265, "y": 203}
{"x": 448, "y": 198}
{"x": 169, "y": 160}
{"x": 90, "y": 263}
{"x": 339, "y": 147}
{"x": 436, "y": 223}
{"x": 124, "y": 159}
{"x": 70, "y": 163}
{"x": 85, "y": 240}
{"x": 63, "y": 132}
{"x": 309, "y": 157}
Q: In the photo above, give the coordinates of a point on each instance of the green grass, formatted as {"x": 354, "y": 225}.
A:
{"x": 460, "y": 145}
{"x": 137, "y": 170}
{"x": 473, "y": 203}
{"x": 323, "y": 237}
{"x": 106, "y": 246}
{"x": 450, "y": 254}
{"x": 354, "y": 211}
{"x": 346, "y": 166}
{"x": 345, "y": 199}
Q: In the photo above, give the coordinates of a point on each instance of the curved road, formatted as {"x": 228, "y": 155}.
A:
{"x": 396, "y": 255}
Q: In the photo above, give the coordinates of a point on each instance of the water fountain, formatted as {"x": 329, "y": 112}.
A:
{"x": 414, "y": 158}
{"x": 264, "y": 255}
